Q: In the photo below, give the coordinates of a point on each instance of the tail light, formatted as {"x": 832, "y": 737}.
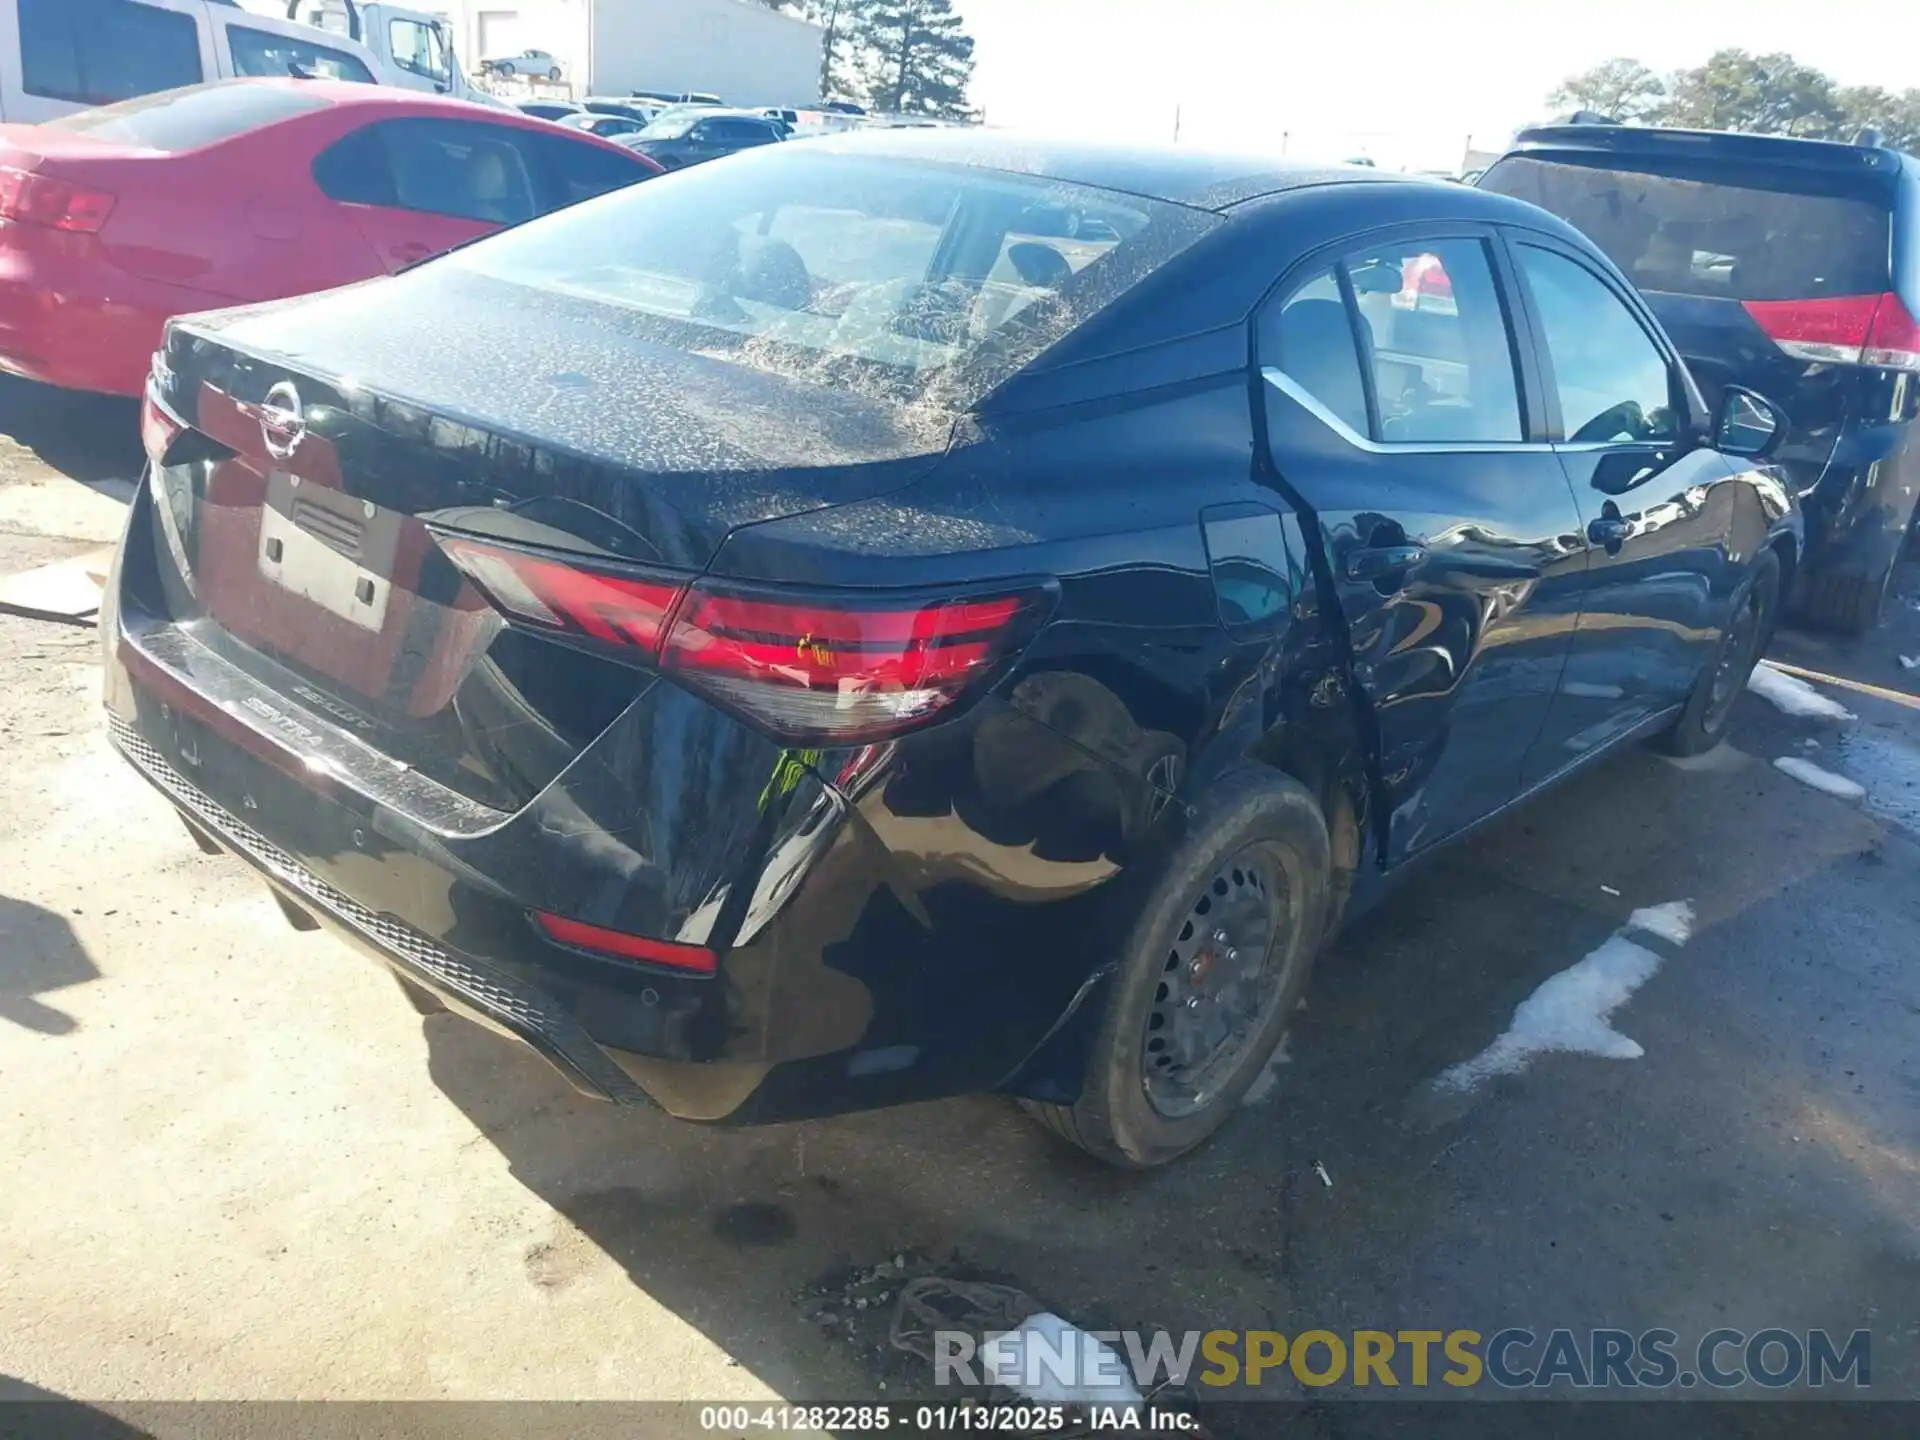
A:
{"x": 1875, "y": 330}
{"x": 29, "y": 198}
{"x": 843, "y": 667}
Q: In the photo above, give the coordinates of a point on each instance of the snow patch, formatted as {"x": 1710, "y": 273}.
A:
{"x": 1052, "y": 1363}
{"x": 1793, "y": 696}
{"x": 1571, "y": 1011}
{"x": 1808, "y": 773}
{"x": 1672, "y": 921}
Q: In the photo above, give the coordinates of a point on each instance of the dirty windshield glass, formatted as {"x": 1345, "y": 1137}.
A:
{"x": 917, "y": 279}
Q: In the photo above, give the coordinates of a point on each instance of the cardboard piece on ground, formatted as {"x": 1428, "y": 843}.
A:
{"x": 67, "y": 591}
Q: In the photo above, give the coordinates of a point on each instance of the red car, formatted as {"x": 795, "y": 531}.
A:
{"x": 113, "y": 220}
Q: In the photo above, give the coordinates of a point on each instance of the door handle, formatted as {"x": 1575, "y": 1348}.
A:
{"x": 1383, "y": 562}
{"x": 1610, "y": 531}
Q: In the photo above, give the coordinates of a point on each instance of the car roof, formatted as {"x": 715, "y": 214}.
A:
{"x": 355, "y": 94}
{"x": 1180, "y": 174}
{"x": 1658, "y": 142}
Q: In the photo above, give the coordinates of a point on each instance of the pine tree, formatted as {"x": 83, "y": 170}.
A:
{"x": 917, "y": 59}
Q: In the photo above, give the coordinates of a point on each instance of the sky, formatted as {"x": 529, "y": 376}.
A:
{"x": 1405, "y": 83}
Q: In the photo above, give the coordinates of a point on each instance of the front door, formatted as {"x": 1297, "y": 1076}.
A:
{"x": 1396, "y": 416}
{"x": 1651, "y": 506}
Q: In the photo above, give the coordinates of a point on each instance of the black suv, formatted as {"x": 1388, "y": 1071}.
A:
{"x": 1792, "y": 267}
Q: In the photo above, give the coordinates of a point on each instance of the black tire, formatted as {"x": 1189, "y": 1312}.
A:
{"x": 1846, "y": 601}
{"x": 1247, "y": 810}
{"x": 554, "y": 74}
{"x": 504, "y": 69}
{"x": 1703, "y": 724}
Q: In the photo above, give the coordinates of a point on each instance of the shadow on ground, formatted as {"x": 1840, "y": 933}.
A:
{"x": 1688, "y": 1189}
{"x": 29, "y": 1411}
{"x": 38, "y": 954}
{"x": 94, "y": 439}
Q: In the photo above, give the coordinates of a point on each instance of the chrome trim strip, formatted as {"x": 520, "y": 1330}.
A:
{"x": 309, "y": 739}
{"x": 1305, "y": 399}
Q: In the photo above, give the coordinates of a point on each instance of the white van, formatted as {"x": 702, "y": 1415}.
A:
{"x": 58, "y": 56}
{"x": 410, "y": 47}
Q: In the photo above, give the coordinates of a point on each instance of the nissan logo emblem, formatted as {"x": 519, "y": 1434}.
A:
{"x": 282, "y": 424}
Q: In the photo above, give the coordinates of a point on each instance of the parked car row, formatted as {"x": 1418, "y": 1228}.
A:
{"x": 919, "y": 612}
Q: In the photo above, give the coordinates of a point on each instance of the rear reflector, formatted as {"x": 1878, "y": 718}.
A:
{"x": 812, "y": 667}
{"x": 694, "y": 959}
{"x": 1875, "y": 330}
{"x": 29, "y": 198}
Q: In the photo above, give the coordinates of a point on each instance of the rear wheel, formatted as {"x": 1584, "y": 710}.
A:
{"x": 1212, "y": 971}
{"x": 1848, "y": 602}
{"x": 554, "y": 74}
{"x": 504, "y": 68}
{"x": 1703, "y": 724}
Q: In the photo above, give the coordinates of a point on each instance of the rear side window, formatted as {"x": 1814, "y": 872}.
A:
{"x": 1312, "y": 338}
{"x": 1613, "y": 381}
{"x": 1426, "y": 333}
{"x": 1442, "y": 357}
{"x": 99, "y": 51}
{"x": 1799, "y": 239}
{"x": 191, "y": 118}
{"x": 735, "y": 132}
{"x": 572, "y": 172}
{"x": 261, "y": 52}
{"x": 439, "y": 167}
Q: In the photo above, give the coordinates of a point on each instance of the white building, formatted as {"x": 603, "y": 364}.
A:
{"x": 743, "y": 52}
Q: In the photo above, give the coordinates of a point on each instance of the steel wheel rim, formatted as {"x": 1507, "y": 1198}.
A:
{"x": 1730, "y": 676}
{"x": 1214, "y": 994}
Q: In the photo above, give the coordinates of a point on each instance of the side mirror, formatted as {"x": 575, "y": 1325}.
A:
{"x": 1748, "y": 424}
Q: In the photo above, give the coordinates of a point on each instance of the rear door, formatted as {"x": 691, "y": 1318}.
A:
{"x": 58, "y": 56}
{"x": 1661, "y": 526}
{"x": 1403, "y": 415}
{"x": 1765, "y": 275}
{"x": 418, "y": 186}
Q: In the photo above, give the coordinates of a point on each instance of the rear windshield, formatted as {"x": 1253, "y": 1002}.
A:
{"x": 191, "y": 118}
{"x": 922, "y": 280}
{"x": 1695, "y": 237}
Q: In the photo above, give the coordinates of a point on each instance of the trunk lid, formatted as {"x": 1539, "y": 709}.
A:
{"x": 329, "y": 438}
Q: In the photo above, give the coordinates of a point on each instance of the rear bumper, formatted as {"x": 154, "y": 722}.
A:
{"x": 470, "y": 987}
{"x": 895, "y": 923}
{"x": 79, "y": 322}
{"x": 1859, "y": 513}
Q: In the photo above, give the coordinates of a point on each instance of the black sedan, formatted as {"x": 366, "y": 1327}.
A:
{"x": 692, "y": 134}
{"x": 832, "y": 629}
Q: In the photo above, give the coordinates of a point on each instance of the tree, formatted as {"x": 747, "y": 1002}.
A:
{"x": 1622, "y": 88}
{"x": 1763, "y": 94}
{"x": 837, "y": 19}
{"x": 1896, "y": 117}
{"x": 917, "y": 59}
